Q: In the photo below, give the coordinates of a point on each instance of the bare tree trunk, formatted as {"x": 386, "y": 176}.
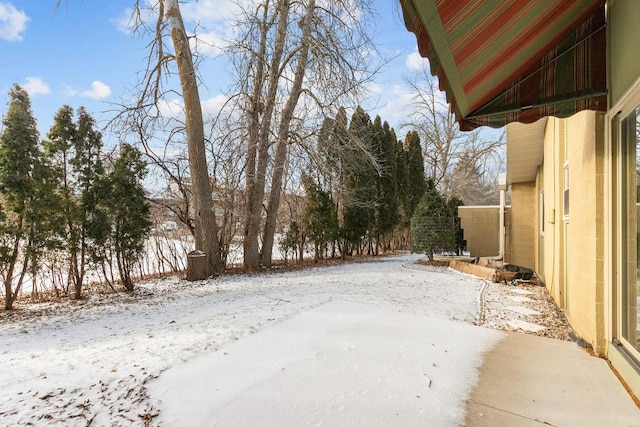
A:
{"x": 206, "y": 229}
{"x": 250, "y": 238}
{"x": 9, "y": 295}
{"x": 23, "y": 272}
{"x": 301, "y": 251}
{"x": 256, "y": 176}
{"x": 274, "y": 202}
{"x": 283, "y": 136}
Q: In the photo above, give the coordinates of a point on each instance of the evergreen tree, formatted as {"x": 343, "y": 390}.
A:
{"x": 19, "y": 157}
{"x": 293, "y": 241}
{"x": 386, "y": 197}
{"x": 328, "y": 152}
{"x": 88, "y": 171}
{"x": 45, "y": 222}
{"x": 338, "y": 159}
{"x": 58, "y": 151}
{"x": 320, "y": 221}
{"x": 458, "y": 235}
{"x": 74, "y": 151}
{"x": 435, "y": 224}
{"x": 127, "y": 210}
{"x": 360, "y": 177}
{"x": 402, "y": 184}
{"x": 416, "y": 183}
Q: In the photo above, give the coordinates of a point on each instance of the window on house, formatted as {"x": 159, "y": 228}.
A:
{"x": 629, "y": 298}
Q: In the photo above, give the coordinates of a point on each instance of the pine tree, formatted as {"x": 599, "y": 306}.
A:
{"x": 360, "y": 177}
{"x": 45, "y": 223}
{"x": 458, "y": 235}
{"x": 427, "y": 233}
{"x": 435, "y": 226}
{"x": 293, "y": 241}
{"x": 337, "y": 159}
{"x": 416, "y": 183}
{"x": 320, "y": 221}
{"x": 88, "y": 171}
{"x": 128, "y": 211}
{"x": 74, "y": 151}
{"x": 58, "y": 151}
{"x": 386, "y": 198}
{"x": 402, "y": 185}
{"x": 19, "y": 156}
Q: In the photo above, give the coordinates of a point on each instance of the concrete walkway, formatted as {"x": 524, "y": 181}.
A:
{"x": 346, "y": 364}
{"x": 531, "y": 381}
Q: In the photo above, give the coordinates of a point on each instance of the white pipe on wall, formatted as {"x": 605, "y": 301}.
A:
{"x": 502, "y": 184}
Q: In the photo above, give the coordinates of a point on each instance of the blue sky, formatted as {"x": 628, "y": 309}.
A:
{"x": 82, "y": 55}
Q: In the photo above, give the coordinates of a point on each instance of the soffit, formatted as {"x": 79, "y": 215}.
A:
{"x": 525, "y": 150}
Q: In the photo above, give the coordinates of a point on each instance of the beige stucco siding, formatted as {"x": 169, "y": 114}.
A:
{"x": 521, "y": 228}
{"x": 569, "y": 253}
{"x": 550, "y": 175}
{"x": 584, "y": 253}
{"x": 481, "y": 228}
{"x": 480, "y": 225}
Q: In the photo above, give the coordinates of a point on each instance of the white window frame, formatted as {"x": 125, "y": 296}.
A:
{"x": 614, "y": 234}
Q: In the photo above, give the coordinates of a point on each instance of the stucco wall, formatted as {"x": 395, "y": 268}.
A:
{"x": 550, "y": 179}
{"x": 569, "y": 255}
{"x": 481, "y": 227}
{"x": 585, "y": 227}
{"x": 522, "y": 226}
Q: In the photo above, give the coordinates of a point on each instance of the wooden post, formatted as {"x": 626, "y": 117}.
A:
{"x": 197, "y": 266}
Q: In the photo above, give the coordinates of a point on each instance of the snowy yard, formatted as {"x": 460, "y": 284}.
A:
{"x": 99, "y": 361}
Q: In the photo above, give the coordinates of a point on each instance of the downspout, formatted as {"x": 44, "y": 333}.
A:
{"x": 502, "y": 184}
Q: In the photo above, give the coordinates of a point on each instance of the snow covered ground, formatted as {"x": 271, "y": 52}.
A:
{"x": 95, "y": 361}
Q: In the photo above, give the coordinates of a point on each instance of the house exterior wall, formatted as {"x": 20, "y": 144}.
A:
{"x": 584, "y": 299}
{"x": 569, "y": 252}
{"x": 550, "y": 176}
{"x": 521, "y": 227}
{"x": 481, "y": 228}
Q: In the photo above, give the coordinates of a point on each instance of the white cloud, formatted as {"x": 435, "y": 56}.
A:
{"x": 13, "y": 22}
{"x": 202, "y": 12}
{"x": 98, "y": 90}
{"x": 210, "y": 42}
{"x": 174, "y": 108}
{"x": 171, "y": 109}
{"x": 213, "y": 105}
{"x": 395, "y": 105}
{"x": 35, "y": 86}
{"x": 209, "y": 10}
{"x": 128, "y": 20}
{"x": 69, "y": 91}
{"x": 414, "y": 61}
{"x": 123, "y": 22}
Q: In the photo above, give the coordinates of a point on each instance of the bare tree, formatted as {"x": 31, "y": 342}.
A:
{"x": 294, "y": 61}
{"x": 206, "y": 227}
{"x": 227, "y": 159}
{"x": 451, "y": 155}
{"x": 170, "y": 26}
